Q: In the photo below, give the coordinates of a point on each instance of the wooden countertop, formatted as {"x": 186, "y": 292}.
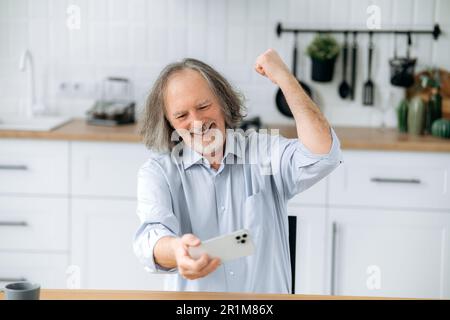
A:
{"x": 65, "y": 294}
{"x": 354, "y": 138}
{"x": 362, "y": 138}
{"x": 78, "y": 129}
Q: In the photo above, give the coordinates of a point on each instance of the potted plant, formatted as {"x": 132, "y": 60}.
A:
{"x": 323, "y": 51}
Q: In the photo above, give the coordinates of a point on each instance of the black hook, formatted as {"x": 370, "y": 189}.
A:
{"x": 279, "y": 29}
{"x": 436, "y": 31}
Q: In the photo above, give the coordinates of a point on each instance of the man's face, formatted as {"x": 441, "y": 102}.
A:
{"x": 194, "y": 111}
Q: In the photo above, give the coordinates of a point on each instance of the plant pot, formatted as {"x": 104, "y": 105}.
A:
{"x": 322, "y": 70}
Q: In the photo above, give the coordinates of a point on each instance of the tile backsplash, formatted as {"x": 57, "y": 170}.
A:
{"x": 136, "y": 38}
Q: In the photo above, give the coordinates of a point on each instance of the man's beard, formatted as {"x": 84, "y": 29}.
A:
{"x": 206, "y": 138}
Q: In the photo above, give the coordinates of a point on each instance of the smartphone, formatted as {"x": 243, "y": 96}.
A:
{"x": 226, "y": 247}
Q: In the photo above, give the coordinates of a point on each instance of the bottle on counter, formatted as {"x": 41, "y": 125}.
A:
{"x": 416, "y": 116}
{"x": 434, "y": 109}
{"x": 402, "y": 115}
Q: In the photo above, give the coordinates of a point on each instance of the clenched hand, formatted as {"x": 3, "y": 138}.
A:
{"x": 270, "y": 65}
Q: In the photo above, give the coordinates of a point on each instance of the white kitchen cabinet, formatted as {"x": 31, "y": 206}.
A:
{"x": 34, "y": 167}
{"x": 102, "y": 234}
{"x": 33, "y": 223}
{"x": 310, "y": 262}
{"x": 106, "y": 169}
{"x": 377, "y": 226}
{"x": 392, "y": 180}
{"x": 390, "y": 253}
{"x": 34, "y": 211}
{"x": 49, "y": 270}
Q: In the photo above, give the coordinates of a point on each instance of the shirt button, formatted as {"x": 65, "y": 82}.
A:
{"x": 223, "y": 208}
{"x": 231, "y": 273}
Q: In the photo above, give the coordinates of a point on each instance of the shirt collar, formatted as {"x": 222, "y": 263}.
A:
{"x": 233, "y": 146}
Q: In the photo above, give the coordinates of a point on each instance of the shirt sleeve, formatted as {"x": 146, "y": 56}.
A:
{"x": 155, "y": 214}
{"x": 299, "y": 168}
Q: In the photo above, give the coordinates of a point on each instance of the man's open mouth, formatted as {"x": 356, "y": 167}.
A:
{"x": 204, "y": 130}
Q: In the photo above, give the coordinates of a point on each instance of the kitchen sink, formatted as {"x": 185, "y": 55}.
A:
{"x": 32, "y": 124}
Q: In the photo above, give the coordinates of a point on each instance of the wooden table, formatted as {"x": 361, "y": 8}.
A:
{"x": 167, "y": 295}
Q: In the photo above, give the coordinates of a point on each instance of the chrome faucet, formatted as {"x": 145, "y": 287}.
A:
{"x": 27, "y": 57}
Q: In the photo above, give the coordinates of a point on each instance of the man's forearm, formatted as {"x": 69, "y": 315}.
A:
{"x": 164, "y": 252}
{"x": 313, "y": 129}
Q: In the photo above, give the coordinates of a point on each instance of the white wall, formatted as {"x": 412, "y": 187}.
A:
{"x": 136, "y": 38}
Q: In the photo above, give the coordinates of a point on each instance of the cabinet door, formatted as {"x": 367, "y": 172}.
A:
{"x": 48, "y": 270}
{"x": 310, "y": 263}
{"x": 34, "y": 167}
{"x": 392, "y": 180}
{"x": 102, "y": 234}
{"x": 106, "y": 169}
{"x": 389, "y": 253}
{"x": 31, "y": 223}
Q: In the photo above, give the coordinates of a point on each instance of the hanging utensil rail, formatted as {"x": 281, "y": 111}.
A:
{"x": 436, "y": 31}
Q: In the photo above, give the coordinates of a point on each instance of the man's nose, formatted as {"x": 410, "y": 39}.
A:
{"x": 196, "y": 125}
{"x": 197, "y": 117}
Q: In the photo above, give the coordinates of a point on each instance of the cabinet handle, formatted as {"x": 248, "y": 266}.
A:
{"x": 396, "y": 180}
{"x": 13, "y": 224}
{"x": 12, "y": 279}
{"x": 13, "y": 167}
{"x": 333, "y": 259}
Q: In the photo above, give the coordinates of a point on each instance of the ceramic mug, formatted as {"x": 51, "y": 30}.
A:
{"x": 21, "y": 291}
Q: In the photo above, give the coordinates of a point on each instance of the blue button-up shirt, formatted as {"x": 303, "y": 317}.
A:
{"x": 258, "y": 175}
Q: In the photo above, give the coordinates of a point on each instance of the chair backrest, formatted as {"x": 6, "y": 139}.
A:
{"x": 292, "y": 247}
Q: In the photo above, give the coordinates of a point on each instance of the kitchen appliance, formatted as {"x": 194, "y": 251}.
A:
{"x": 115, "y": 107}
{"x": 251, "y": 123}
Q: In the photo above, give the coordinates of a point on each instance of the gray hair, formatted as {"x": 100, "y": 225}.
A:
{"x": 155, "y": 129}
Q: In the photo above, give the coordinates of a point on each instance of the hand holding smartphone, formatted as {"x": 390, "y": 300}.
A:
{"x": 226, "y": 247}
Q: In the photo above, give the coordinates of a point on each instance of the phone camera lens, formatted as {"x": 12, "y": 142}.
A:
{"x": 242, "y": 241}
{"x": 238, "y": 238}
{"x": 244, "y": 236}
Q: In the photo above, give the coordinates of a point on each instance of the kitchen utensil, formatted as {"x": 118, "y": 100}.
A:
{"x": 402, "y": 69}
{"x": 368, "y": 86}
{"x": 344, "y": 87}
{"x": 354, "y": 58}
{"x": 280, "y": 100}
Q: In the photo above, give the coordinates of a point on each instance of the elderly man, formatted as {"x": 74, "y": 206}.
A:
{"x": 210, "y": 187}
